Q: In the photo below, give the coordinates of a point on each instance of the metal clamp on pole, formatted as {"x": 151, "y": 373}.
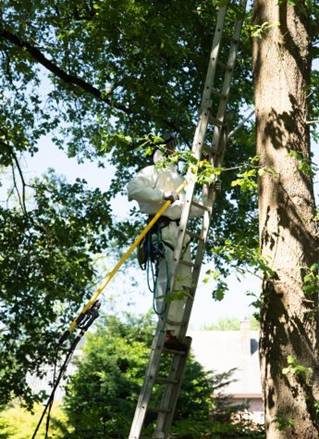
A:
{"x": 84, "y": 320}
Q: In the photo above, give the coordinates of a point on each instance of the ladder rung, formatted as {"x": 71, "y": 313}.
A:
{"x": 157, "y": 410}
{"x": 151, "y": 437}
{"x": 219, "y": 94}
{"x": 190, "y": 290}
{"x": 201, "y": 206}
{"x": 232, "y": 40}
{"x": 194, "y": 235}
{"x": 216, "y": 121}
{"x": 209, "y": 149}
{"x": 173, "y": 352}
{"x": 189, "y": 264}
{"x": 236, "y": 8}
{"x": 215, "y": 150}
{"x": 225, "y": 66}
{"x": 162, "y": 380}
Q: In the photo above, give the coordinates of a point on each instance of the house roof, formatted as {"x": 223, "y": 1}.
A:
{"x": 221, "y": 351}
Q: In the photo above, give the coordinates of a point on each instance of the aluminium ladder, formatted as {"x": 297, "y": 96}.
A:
{"x": 214, "y": 155}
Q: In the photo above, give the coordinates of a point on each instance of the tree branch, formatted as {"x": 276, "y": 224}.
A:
{"x": 315, "y": 28}
{"x": 52, "y": 67}
{"x": 22, "y": 199}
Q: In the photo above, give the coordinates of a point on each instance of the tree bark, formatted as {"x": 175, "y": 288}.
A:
{"x": 288, "y": 233}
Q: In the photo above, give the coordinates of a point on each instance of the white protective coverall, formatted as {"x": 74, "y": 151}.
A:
{"x": 148, "y": 188}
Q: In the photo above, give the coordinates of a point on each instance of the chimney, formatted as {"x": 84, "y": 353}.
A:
{"x": 245, "y": 338}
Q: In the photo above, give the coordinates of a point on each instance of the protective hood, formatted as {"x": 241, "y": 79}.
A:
{"x": 159, "y": 157}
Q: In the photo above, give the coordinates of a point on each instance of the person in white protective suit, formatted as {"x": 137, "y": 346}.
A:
{"x": 151, "y": 188}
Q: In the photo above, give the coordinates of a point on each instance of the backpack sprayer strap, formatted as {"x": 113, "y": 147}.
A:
{"x": 164, "y": 221}
{"x": 151, "y": 252}
{"x": 143, "y": 250}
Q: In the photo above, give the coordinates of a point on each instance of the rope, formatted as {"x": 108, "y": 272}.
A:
{"x": 86, "y": 321}
{"x": 152, "y": 270}
{"x": 50, "y": 403}
{"x": 56, "y": 384}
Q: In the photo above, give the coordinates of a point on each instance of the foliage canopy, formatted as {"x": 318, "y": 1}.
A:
{"x": 96, "y": 76}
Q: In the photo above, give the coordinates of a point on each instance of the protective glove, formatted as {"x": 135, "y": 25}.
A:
{"x": 171, "y": 196}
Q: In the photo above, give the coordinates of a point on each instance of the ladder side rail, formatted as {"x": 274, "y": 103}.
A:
{"x": 154, "y": 360}
{"x": 217, "y": 159}
{"x": 190, "y": 189}
{"x": 206, "y": 220}
{"x": 198, "y": 143}
{"x": 172, "y": 392}
{"x": 201, "y": 130}
{"x": 209, "y": 190}
{"x": 200, "y": 134}
{"x": 150, "y": 375}
{"x": 168, "y": 393}
{"x": 202, "y": 124}
{"x": 197, "y": 149}
{"x": 196, "y": 273}
{"x": 228, "y": 76}
{"x": 212, "y": 65}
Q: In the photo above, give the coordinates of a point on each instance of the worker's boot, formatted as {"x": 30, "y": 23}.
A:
{"x": 172, "y": 342}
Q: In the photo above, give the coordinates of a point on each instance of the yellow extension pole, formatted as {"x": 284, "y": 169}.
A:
{"x": 118, "y": 265}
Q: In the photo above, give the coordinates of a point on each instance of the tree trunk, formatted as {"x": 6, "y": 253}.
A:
{"x": 288, "y": 234}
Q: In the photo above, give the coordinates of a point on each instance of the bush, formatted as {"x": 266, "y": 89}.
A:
{"x": 101, "y": 396}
